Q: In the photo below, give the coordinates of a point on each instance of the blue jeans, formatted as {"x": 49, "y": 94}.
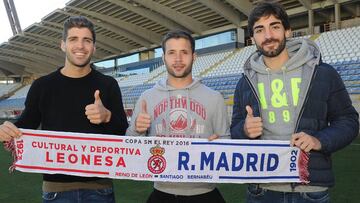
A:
{"x": 254, "y": 194}
{"x": 80, "y": 196}
{"x": 161, "y": 197}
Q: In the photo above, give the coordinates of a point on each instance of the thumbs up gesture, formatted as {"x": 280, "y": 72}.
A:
{"x": 96, "y": 112}
{"x": 253, "y": 125}
{"x": 143, "y": 120}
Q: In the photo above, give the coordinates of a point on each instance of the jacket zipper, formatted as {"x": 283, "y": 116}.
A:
{"x": 301, "y": 112}
{"x": 305, "y": 101}
{"x": 257, "y": 99}
{"x": 254, "y": 92}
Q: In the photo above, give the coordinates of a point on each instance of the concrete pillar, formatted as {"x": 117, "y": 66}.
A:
{"x": 337, "y": 16}
{"x": 240, "y": 37}
{"x": 310, "y": 22}
{"x": 116, "y": 66}
{"x": 146, "y": 55}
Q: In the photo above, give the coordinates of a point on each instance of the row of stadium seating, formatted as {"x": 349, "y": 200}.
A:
{"x": 5, "y": 89}
{"x": 340, "y": 45}
{"x": 221, "y": 70}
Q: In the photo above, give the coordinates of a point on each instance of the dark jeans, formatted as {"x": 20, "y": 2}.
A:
{"x": 80, "y": 196}
{"x": 255, "y": 194}
{"x": 162, "y": 197}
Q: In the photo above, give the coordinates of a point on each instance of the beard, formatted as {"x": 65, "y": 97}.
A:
{"x": 184, "y": 74}
{"x": 274, "y": 52}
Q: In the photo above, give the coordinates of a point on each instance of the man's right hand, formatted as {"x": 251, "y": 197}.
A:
{"x": 143, "y": 120}
{"x": 253, "y": 126}
{"x": 9, "y": 131}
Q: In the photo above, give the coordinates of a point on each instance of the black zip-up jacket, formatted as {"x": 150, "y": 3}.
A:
{"x": 326, "y": 114}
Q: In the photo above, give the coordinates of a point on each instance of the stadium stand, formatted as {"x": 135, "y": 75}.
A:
{"x": 340, "y": 46}
{"x": 234, "y": 64}
{"x": 221, "y": 70}
{"x": 129, "y": 27}
{"x": 6, "y": 89}
{"x": 200, "y": 66}
{"x": 21, "y": 93}
{"x": 15, "y": 102}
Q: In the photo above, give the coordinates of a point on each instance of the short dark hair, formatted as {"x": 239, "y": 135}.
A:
{"x": 178, "y": 34}
{"x": 78, "y": 22}
{"x": 265, "y": 9}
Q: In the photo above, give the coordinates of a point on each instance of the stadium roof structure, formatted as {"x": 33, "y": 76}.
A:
{"x": 126, "y": 26}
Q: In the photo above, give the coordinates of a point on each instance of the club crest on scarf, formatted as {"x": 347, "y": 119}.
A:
{"x": 157, "y": 163}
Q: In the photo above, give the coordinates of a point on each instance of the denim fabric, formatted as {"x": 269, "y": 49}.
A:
{"x": 161, "y": 197}
{"x": 80, "y": 196}
{"x": 258, "y": 195}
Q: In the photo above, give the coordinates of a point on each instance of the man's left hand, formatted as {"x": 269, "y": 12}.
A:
{"x": 305, "y": 142}
{"x": 96, "y": 112}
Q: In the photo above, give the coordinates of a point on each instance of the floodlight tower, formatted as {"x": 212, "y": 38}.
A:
{"x": 12, "y": 15}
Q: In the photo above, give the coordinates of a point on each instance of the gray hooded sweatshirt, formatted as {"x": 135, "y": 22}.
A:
{"x": 282, "y": 94}
{"x": 196, "y": 111}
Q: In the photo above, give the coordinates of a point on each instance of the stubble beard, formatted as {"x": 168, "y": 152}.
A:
{"x": 171, "y": 72}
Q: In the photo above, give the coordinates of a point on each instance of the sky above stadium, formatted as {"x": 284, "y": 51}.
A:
{"x": 29, "y": 12}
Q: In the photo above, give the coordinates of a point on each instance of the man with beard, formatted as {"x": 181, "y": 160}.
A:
{"x": 288, "y": 93}
{"x": 74, "y": 98}
{"x": 182, "y": 107}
